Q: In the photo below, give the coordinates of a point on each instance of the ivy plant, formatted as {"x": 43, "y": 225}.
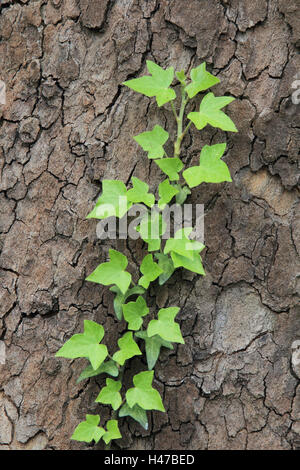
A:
{"x": 162, "y": 331}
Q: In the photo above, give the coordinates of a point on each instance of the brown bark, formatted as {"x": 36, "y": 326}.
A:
{"x": 67, "y": 124}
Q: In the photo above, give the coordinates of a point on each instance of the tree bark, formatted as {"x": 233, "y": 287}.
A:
{"x": 66, "y": 125}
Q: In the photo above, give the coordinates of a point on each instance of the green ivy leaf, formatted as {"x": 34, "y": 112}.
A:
{"x": 134, "y": 313}
{"x": 110, "y": 394}
{"x": 166, "y": 264}
{"x": 210, "y": 113}
{"x": 137, "y": 413}
{"x": 150, "y": 271}
{"x": 112, "y": 432}
{"x": 108, "y": 367}
{"x": 118, "y": 301}
{"x": 134, "y": 291}
{"x": 182, "y": 245}
{"x": 151, "y": 229}
{"x": 194, "y": 264}
{"x": 166, "y": 192}
{"x": 165, "y": 326}
{"x": 185, "y": 252}
{"x": 86, "y": 345}
{"x": 139, "y": 193}
{"x": 201, "y": 80}
{"x": 211, "y": 169}
{"x": 112, "y": 272}
{"x": 88, "y": 430}
{"x": 128, "y": 349}
{"x": 112, "y": 202}
{"x": 153, "y": 141}
{"x": 143, "y": 393}
{"x": 171, "y": 167}
{"x": 152, "y": 346}
{"x": 155, "y": 85}
{"x": 183, "y": 194}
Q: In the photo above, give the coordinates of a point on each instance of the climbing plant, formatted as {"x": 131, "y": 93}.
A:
{"x": 162, "y": 259}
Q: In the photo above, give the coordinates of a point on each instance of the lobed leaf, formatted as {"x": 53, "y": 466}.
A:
{"x": 171, "y": 167}
{"x": 134, "y": 313}
{"x": 86, "y": 344}
{"x": 150, "y": 271}
{"x": 201, "y": 80}
{"x": 112, "y": 272}
{"x": 143, "y": 394}
{"x": 108, "y": 367}
{"x": 128, "y": 349}
{"x": 112, "y": 202}
{"x": 166, "y": 192}
{"x": 88, "y": 430}
{"x": 139, "y": 193}
{"x": 153, "y": 141}
{"x": 112, "y": 432}
{"x": 211, "y": 168}
{"x": 110, "y": 394}
{"x": 155, "y": 85}
{"x": 165, "y": 326}
{"x": 210, "y": 113}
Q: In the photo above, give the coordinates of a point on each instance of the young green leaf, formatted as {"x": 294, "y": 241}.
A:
{"x": 155, "y": 85}
{"x": 181, "y": 77}
{"x": 211, "y": 169}
{"x": 118, "y": 301}
{"x": 134, "y": 291}
{"x": 134, "y": 313}
{"x": 112, "y": 202}
{"x": 166, "y": 192}
{"x": 194, "y": 264}
{"x": 86, "y": 345}
{"x": 110, "y": 394}
{"x": 139, "y": 193}
{"x": 182, "y": 245}
{"x": 88, "y": 430}
{"x": 143, "y": 393}
{"x": 150, "y": 271}
{"x": 165, "y": 326}
{"x": 152, "y": 346}
{"x": 171, "y": 167}
{"x": 185, "y": 252}
{"x": 112, "y": 272}
{"x": 153, "y": 141}
{"x": 183, "y": 194}
{"x": 137, "y": 413}
{"x": 108, "y": 367}
{"x": 112, "y": 432}
{"x": 201, "y": 80}
{"x": 128, "y": 349}
{"x": 210, "y": 113}
{"x": 166, "y": 264}
{"x": 151, "y": 229}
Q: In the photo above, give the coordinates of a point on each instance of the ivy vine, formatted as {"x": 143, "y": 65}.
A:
{"x": 159, "y": 263}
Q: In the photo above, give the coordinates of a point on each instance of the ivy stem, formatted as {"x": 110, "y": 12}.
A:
{"x": 174, "y": 111}
{"x": 180, "y": 134}
{"x": 114, "y": 414}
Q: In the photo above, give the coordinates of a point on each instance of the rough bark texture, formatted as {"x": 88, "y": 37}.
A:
{"x": 67, "y": 124}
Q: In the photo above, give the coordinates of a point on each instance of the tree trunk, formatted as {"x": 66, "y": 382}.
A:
{"x": 66, "y": 125}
